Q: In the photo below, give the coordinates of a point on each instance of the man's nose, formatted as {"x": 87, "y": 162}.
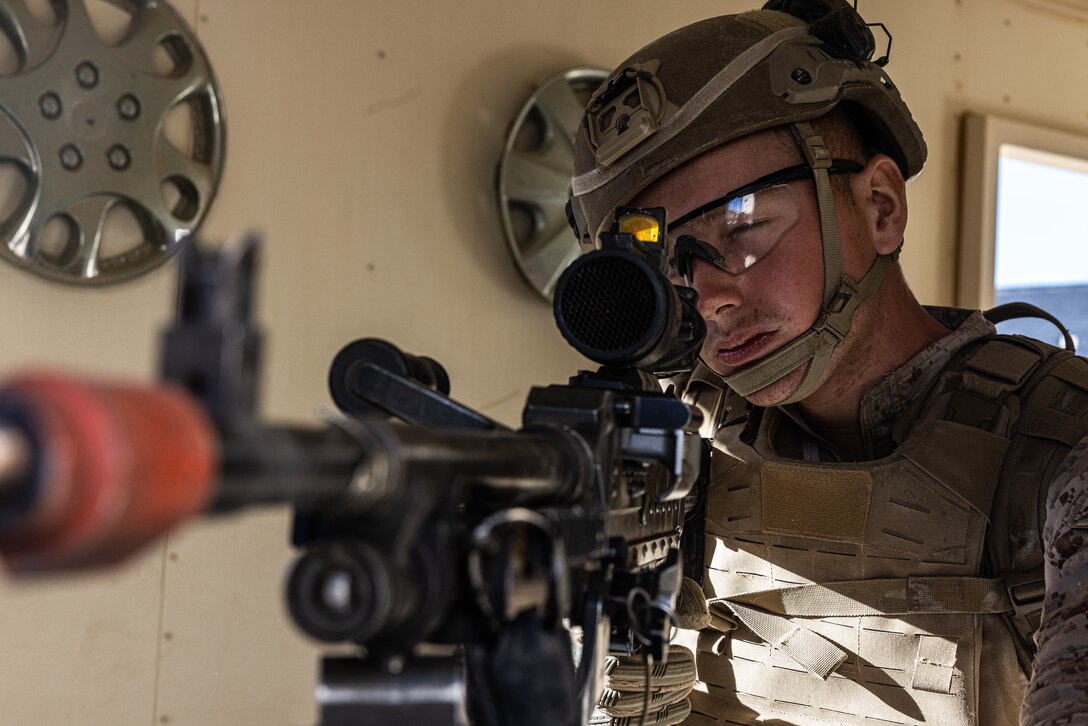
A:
{"x": 718, "y": 290}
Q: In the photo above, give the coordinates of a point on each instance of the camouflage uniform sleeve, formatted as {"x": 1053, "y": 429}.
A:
{"x": 1058, "y": 692}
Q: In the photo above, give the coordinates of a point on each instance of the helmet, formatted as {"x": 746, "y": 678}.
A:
{"x": 726, "y": 77}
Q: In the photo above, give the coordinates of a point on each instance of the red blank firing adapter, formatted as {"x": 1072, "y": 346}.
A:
{"x": 97, "y": 469}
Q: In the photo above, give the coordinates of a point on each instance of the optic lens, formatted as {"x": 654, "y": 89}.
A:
{"x": 644, "y": 227}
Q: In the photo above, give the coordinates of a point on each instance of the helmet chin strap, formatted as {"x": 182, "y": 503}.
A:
{"x": 841, "y": 299}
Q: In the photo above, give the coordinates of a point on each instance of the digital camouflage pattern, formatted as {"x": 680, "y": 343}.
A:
{"x": 1058, "y": 693}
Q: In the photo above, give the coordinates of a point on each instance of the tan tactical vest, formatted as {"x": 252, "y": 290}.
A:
{"x": 856, "y": 593}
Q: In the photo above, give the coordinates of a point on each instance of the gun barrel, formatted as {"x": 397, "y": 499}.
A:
{"x": 489, "y": 467}
{"x": 373, "y": 463}
{"x": 285, "y": 465}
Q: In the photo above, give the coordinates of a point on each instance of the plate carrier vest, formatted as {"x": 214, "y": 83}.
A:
{"x": 855, "y": 593}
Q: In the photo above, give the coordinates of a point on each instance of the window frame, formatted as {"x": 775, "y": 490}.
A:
{"x": 983, "y": 137}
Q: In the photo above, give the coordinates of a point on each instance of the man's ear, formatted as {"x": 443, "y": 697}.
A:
{"x": 881, "y": 192}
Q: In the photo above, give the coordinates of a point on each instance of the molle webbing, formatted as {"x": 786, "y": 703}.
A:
{"x": 772, "y": 614}
{"x": 1036, "y": 395}
{"x": 891, "y": 596}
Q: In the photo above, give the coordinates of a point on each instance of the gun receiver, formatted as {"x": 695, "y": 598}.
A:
{"x": 469, "y": 534}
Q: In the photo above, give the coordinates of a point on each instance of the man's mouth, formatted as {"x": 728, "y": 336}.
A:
{"x": 746, "y": 350}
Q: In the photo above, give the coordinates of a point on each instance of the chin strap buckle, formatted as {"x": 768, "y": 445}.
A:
{"x": 838, "y": 315}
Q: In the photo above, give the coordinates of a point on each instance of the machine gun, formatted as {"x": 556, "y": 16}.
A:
{"x": 457, "y": 554}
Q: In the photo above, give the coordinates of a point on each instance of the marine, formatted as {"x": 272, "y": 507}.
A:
{"x": 896, "y": 512}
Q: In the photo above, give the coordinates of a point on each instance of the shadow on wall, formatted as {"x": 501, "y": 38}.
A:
{"x": 476, "y": 129}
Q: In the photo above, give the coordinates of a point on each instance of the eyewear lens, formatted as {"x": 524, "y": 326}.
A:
{"x": 737, "y": 234}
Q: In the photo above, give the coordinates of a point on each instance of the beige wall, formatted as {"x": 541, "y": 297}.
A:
{"x": 363, "y": 135}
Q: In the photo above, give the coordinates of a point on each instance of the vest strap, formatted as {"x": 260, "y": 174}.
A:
{"x": 892, "y": 596}
{"x": 813, "y": 652}
{"x": 769, "y": 613}
{"x": 990, "y": 376}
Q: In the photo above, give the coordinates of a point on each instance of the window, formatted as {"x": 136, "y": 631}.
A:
{"x": 1025, "y": 236}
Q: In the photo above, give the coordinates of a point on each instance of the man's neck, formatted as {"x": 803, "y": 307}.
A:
{"x": 889, "y": 334}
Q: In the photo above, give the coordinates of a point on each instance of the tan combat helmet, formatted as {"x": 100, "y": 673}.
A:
{"x": 723, "y": 78}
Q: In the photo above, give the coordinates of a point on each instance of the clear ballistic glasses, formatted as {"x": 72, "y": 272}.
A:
{"x": 732, "y": 232}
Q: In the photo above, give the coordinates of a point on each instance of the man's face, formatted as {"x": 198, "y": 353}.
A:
{"x": 772, "y": 302}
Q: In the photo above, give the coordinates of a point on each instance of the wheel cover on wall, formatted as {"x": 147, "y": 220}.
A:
{"x": 535, "y": 172}
{"x": 87, "y": 125}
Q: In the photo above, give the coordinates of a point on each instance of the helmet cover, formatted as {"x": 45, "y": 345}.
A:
{"x": 726, "y": 77}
